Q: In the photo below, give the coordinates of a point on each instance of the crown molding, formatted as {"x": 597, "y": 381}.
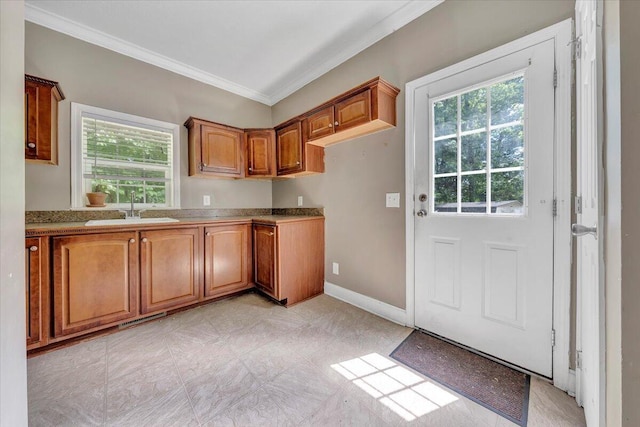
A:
{"x": 324, "y": 62}
{"x": 80, "y": 31}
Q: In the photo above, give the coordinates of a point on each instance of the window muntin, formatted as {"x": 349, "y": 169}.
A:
{"x": 478, "y": 149}
{"x": 118, "y": 153}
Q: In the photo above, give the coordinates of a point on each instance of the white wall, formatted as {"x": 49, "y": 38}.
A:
{"x": 13, "y": 366}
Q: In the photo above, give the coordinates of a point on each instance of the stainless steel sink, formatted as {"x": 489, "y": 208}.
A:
{"x": 123, "y": 221}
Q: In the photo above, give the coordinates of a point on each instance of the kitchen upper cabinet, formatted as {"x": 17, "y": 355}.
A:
{"x": 227, "y": 259}
{"x": 264, "y": 247}
{"x": 170, "y": 272}
{"x": 215, "y": 150}
{"x": 37, "y": 291}
{"x": 289, "y": 259}
{"x": 293, "y": 156}
{"x": 368, "y": 108}
{"x": 95, "y": 281}
{"x": 260, "y": 153}
{"x": 41, "y": 99}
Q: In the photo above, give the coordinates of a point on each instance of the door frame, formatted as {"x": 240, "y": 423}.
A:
{"x": 561, "y": 34}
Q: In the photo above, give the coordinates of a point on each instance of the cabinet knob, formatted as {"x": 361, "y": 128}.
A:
{"x": 336, "y": 123}
{"x": 31, "y": 145}
{"x": 297, "y": 163}
{"x": 33, "y": 248}
{"x": 144, "y": 240}
{"x": 250, "y": 169}
{"x": 132, "y": 240}
{"x": 208, "y": 234}
{"x": 330, "y": 125}
{"x": 270, "y": 234}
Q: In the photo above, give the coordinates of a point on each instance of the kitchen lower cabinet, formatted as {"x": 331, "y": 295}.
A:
{"x": 37, "y": 291}
{"x": 289, "y": 259}
{"x": 95, "y": 281}
{"x": 169, "y": 269}
{"x": 227, "y": 262}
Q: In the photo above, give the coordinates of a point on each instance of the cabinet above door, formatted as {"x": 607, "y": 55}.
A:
{"x": 368, "y": 108}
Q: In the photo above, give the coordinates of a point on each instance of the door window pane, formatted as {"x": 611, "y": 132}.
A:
{"x": 474, "y": 193}
{"x": 474, "y": 152}
{"x": 507, "y": 192}
{"x": 446, "y": 156}
{"x": 507, "y": 147}
{"x": 507, "y": 101}
{"x": 474, "y": 109}
{"x": 445, "y": 117}
{"x": 446, "y": 194}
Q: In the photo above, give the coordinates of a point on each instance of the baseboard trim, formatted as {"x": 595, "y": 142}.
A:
{"x": 372, "y": 305}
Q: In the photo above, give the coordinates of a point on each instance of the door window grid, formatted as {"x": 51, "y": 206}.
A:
{"x": 463, "y": 180}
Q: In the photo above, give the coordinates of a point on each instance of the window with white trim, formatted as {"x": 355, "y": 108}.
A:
{"x": 478, "y": 149}
{"x": 121, "y": 154}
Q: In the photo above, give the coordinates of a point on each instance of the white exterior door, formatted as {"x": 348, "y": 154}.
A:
{"x": 590, "y": 296}
{"x": 484, "y": 189}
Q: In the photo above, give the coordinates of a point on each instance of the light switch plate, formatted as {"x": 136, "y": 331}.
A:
{"x": 393, "y": 200}
{"x": 206, "y": 200}
{"x": 336, "y": 268}
{"x": 300, "y": 201}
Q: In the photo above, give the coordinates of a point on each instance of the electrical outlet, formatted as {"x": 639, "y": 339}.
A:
{"x": 393, "y": 200}
{"x": 206, "y": 200}
{"x": 336, "y": 268}
{"x": 299, "y": 200}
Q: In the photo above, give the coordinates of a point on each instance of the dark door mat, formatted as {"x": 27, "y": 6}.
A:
{"x": 499, "y": 388}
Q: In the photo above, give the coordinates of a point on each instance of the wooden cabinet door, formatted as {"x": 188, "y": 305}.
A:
{"x": 227, "y": 259}
{"x": 353, "y": 111}
{"x": 264, "y": 254}
{"x": 37, "y": 287}
{"x": 318, "y": 124}
{"x": 260, "y": 153}
{"x": 289, "y": 149}
{"x": 31, "y": 120}
{"x": 169, "y": 268}
{"x": 95, "y": 281}
{"x": 221, "y": 150}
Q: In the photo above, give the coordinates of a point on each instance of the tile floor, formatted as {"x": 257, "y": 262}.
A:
{"x": 247, "y": 362}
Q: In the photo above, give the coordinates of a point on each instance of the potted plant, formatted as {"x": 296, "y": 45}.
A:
{"x": 98, "y": 194}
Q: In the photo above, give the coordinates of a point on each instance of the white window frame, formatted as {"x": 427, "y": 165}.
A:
{"x": 488, "y": 168}
{"x": 77, "y": 188}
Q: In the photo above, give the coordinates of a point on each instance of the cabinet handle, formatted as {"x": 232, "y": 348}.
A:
{"x": 297, "y": 163}
{"x": 33, "y": 248}
{"x": 208, "y": 234}
{"x": 270, "y": 234}
{"x": 336, "y": 123}
{"x": 31, "y": 145}
{"x": 330, "y": 125}
{"x": 250, "y": 169}
{"x": 144, "y": 240}
{"x": 132, "y": 240}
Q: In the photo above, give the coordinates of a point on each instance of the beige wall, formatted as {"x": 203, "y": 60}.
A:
{"x": 13, "y": 361}
{"x": 366, "y": 238}
{"x": 630, "y": 138}
{"x": 91, "y": 75}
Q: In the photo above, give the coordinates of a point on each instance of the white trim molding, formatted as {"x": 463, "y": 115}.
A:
{"x": 560, "y": 33}
{"x": 372, "y": 305}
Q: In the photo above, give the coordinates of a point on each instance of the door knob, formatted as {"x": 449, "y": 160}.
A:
{"x": 580, "y": 230}
{"x": 421, "y": 213}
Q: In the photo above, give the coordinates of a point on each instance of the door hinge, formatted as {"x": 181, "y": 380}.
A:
{"x": 555, "y": 208}
{"x": 553, "y": 338}
{"x": 578, "y": 206}
{"x": 576, "y": 49}
{"x": 555, "y": 78}
{"x": 579, "y": 359}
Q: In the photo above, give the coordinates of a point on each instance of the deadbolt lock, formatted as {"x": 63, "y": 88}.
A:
{"x": 422, "y": 197}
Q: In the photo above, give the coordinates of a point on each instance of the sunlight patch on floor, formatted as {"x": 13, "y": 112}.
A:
{"x": 405, "y": 393}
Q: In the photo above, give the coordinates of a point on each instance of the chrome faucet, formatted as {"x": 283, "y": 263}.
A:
{"x": 131, "y": 214}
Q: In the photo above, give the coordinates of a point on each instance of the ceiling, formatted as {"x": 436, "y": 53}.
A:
{"x": 262, "y": 50}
